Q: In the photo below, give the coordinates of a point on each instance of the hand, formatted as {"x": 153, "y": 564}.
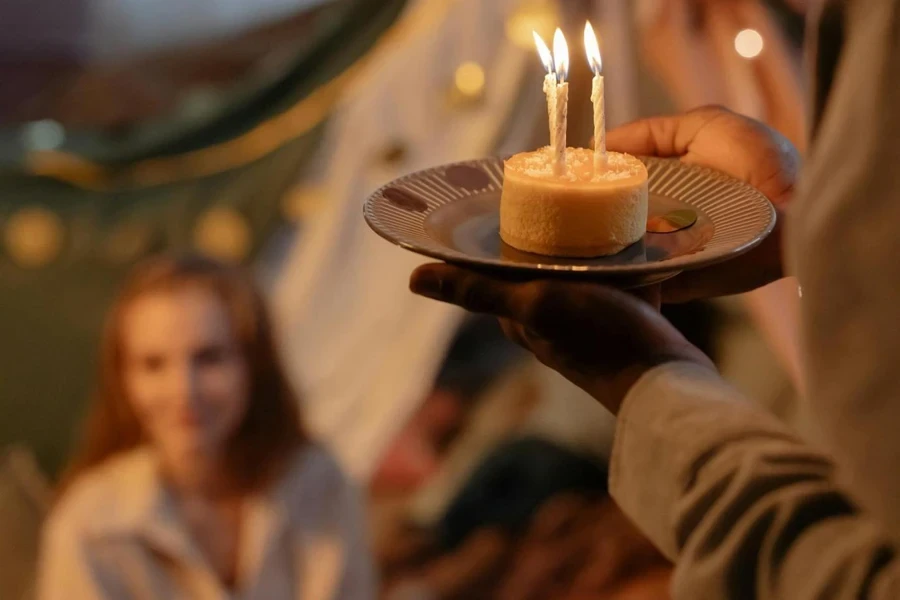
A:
{"x": 575, "y": 548}
{"x": 743, "y": 148}
{"x": 584, "y": 549}
{"x": 599, "y": 338}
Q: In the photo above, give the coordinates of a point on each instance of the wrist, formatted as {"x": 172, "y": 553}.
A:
{"x": 612, "y": 391}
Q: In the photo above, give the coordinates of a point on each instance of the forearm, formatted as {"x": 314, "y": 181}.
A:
{"x": 742, "y": 506}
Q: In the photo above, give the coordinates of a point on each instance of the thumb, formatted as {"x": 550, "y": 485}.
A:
{"x": 667, "y": 136}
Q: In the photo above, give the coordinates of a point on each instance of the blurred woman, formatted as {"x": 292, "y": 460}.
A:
{"x": 196, "y": 478}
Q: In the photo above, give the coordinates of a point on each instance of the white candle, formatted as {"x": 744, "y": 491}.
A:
{"x": 557, "y": 90}
{"x": 562, "y": 121}
{"x": 598, "y": 97}
{"x": 561, "y": 63}
{"x": 550, "y": 89}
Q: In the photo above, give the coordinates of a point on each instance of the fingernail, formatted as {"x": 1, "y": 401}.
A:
{"x": 427, "y": 283}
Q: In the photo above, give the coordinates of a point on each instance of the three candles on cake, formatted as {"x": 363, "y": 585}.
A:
{"x": 556, "y": 87}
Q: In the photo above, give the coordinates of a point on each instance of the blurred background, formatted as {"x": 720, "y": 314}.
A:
{"x": 252, "y": 131}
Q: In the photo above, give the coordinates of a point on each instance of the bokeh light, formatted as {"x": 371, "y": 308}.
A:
{"x": 470, "y": 79}
{"x": 540, "y": 16}
{"x": 749, "y": 43}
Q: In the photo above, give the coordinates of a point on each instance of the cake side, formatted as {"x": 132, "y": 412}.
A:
{"x": 576, "y": 215}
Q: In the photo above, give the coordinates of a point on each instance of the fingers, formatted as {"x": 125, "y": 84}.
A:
{"x": 523, "y": 308}
{"x": 556, "y": 518}
{"x": 755, "y": 269}
{"x": 514, "y": 332}
{"x": 470, "y": 290}
{"x": 714, "y": 137}
{"x": 654, "y": 583}
{"x": 651, "y": 294}
{"x": 476, "y": 563}
{"x": 532, "y": 304}
{"x": 526, "y": 310}
{"x": 669, "y": 136}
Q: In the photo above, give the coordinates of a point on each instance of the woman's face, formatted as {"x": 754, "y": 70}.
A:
{"x": 184, "y": 373}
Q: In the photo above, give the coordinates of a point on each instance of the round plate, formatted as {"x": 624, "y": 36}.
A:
{"x": 452, "y": 213}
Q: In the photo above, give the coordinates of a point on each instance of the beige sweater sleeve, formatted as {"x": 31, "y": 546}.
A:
{"x": 748, "y": 510}
{"x": 744, "y": 508}
{"x": 845, "y": 244}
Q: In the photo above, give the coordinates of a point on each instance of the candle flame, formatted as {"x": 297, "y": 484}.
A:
{"x": 561, "y": 56}
{"x": 592, "y": 47}
{"x": 544, "y": 52}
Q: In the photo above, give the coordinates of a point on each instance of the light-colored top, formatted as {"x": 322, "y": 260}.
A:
{"x": 746, "y": 508}
{"x": 116, "y": 534}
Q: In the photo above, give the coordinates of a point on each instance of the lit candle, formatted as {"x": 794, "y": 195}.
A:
{"x": 598, "y": 97}
{"x": 557, "y": 90}
{"x": 561, "y": 63}
{"x": 549, "y": 84}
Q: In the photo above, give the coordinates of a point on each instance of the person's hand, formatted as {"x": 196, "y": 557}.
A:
{"x": 738, "y": 146}
{"x": 578, "y": 548}
{"x": 599, "y": 338}
{"x": 574, "y": 548}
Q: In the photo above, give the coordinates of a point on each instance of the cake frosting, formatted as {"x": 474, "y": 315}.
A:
{"x": 578, "y": 213}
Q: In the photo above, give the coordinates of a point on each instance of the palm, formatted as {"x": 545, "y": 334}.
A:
{"x": 599, "y": 338}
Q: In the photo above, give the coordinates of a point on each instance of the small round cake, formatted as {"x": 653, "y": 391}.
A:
{"x": 579, "y": 214}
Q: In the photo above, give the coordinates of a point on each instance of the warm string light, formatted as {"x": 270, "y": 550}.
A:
{"x": 469, "y": 79}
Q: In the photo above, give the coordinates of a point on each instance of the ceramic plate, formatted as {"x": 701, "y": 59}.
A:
{"x": 452, "y": 213}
